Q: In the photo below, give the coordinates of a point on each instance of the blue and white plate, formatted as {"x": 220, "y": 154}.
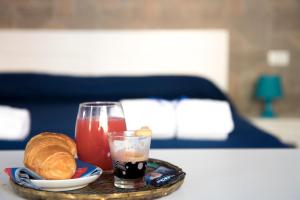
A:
{"x": 85, "y": 174}
{"x": 65, "y": 185}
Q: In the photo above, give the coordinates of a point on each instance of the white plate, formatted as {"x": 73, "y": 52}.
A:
{"x": 65, "y": 185}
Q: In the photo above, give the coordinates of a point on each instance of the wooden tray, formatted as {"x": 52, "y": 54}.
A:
{"x": 103, "y": 188}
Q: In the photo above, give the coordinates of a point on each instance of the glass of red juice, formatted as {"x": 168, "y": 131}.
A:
{"x": 94, "y": 121}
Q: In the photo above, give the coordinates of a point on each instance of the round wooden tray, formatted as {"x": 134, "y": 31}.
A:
{"x": 103, "y": 188}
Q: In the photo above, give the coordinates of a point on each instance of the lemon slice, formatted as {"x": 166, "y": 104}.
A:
{"x": 144, "y": 131}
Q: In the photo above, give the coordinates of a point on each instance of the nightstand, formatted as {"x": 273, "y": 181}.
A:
{"x": 286, "y": 129}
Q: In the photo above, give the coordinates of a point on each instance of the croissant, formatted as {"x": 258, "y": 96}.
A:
{"x": 51, "y": 155}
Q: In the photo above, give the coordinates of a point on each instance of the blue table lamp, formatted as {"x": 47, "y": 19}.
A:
{"x": 268, "y": 89}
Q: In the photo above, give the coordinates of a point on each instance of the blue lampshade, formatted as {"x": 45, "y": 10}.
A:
{"x": 269, "y": 87}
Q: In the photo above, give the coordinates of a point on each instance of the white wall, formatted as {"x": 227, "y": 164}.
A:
{"x": 117, "y": 52}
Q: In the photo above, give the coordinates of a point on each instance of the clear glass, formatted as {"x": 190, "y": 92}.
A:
{"x": 94, "y": 121}
{"x": 129, "y": 154}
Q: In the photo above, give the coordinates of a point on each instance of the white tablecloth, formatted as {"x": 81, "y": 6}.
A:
{"x": 215, "y": 174}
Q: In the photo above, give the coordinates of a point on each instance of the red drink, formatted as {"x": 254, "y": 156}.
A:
{"x": 92, "y": 142}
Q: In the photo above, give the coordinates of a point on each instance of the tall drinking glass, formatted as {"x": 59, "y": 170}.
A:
{"x": 94, "y": 121}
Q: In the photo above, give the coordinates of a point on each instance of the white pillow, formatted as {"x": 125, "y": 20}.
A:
{"x": 203, "y": 119}
{"x": 158, "y": 115}
{"x": 14, "y": 123}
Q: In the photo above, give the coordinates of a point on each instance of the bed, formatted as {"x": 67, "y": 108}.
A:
{"x": 53, "y": 102}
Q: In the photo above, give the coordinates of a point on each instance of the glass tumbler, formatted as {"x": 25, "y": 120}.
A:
{"x": 129, "y": 154}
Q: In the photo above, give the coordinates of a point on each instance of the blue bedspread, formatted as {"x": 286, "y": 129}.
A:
{"x": 53, "y": 102}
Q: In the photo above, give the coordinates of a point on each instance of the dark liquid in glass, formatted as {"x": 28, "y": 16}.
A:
{"x": 130, "y": 170}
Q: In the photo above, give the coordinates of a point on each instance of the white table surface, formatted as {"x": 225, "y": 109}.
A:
{"x": 215, "y": 174}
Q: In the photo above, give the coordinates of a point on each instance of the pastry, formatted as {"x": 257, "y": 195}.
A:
{"x": 51, "y": 155}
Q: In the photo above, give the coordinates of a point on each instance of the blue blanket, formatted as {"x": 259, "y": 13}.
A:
{"x": 53, "y": 102}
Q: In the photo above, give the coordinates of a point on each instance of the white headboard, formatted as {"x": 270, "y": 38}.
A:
{"x": 117, "y": 52}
